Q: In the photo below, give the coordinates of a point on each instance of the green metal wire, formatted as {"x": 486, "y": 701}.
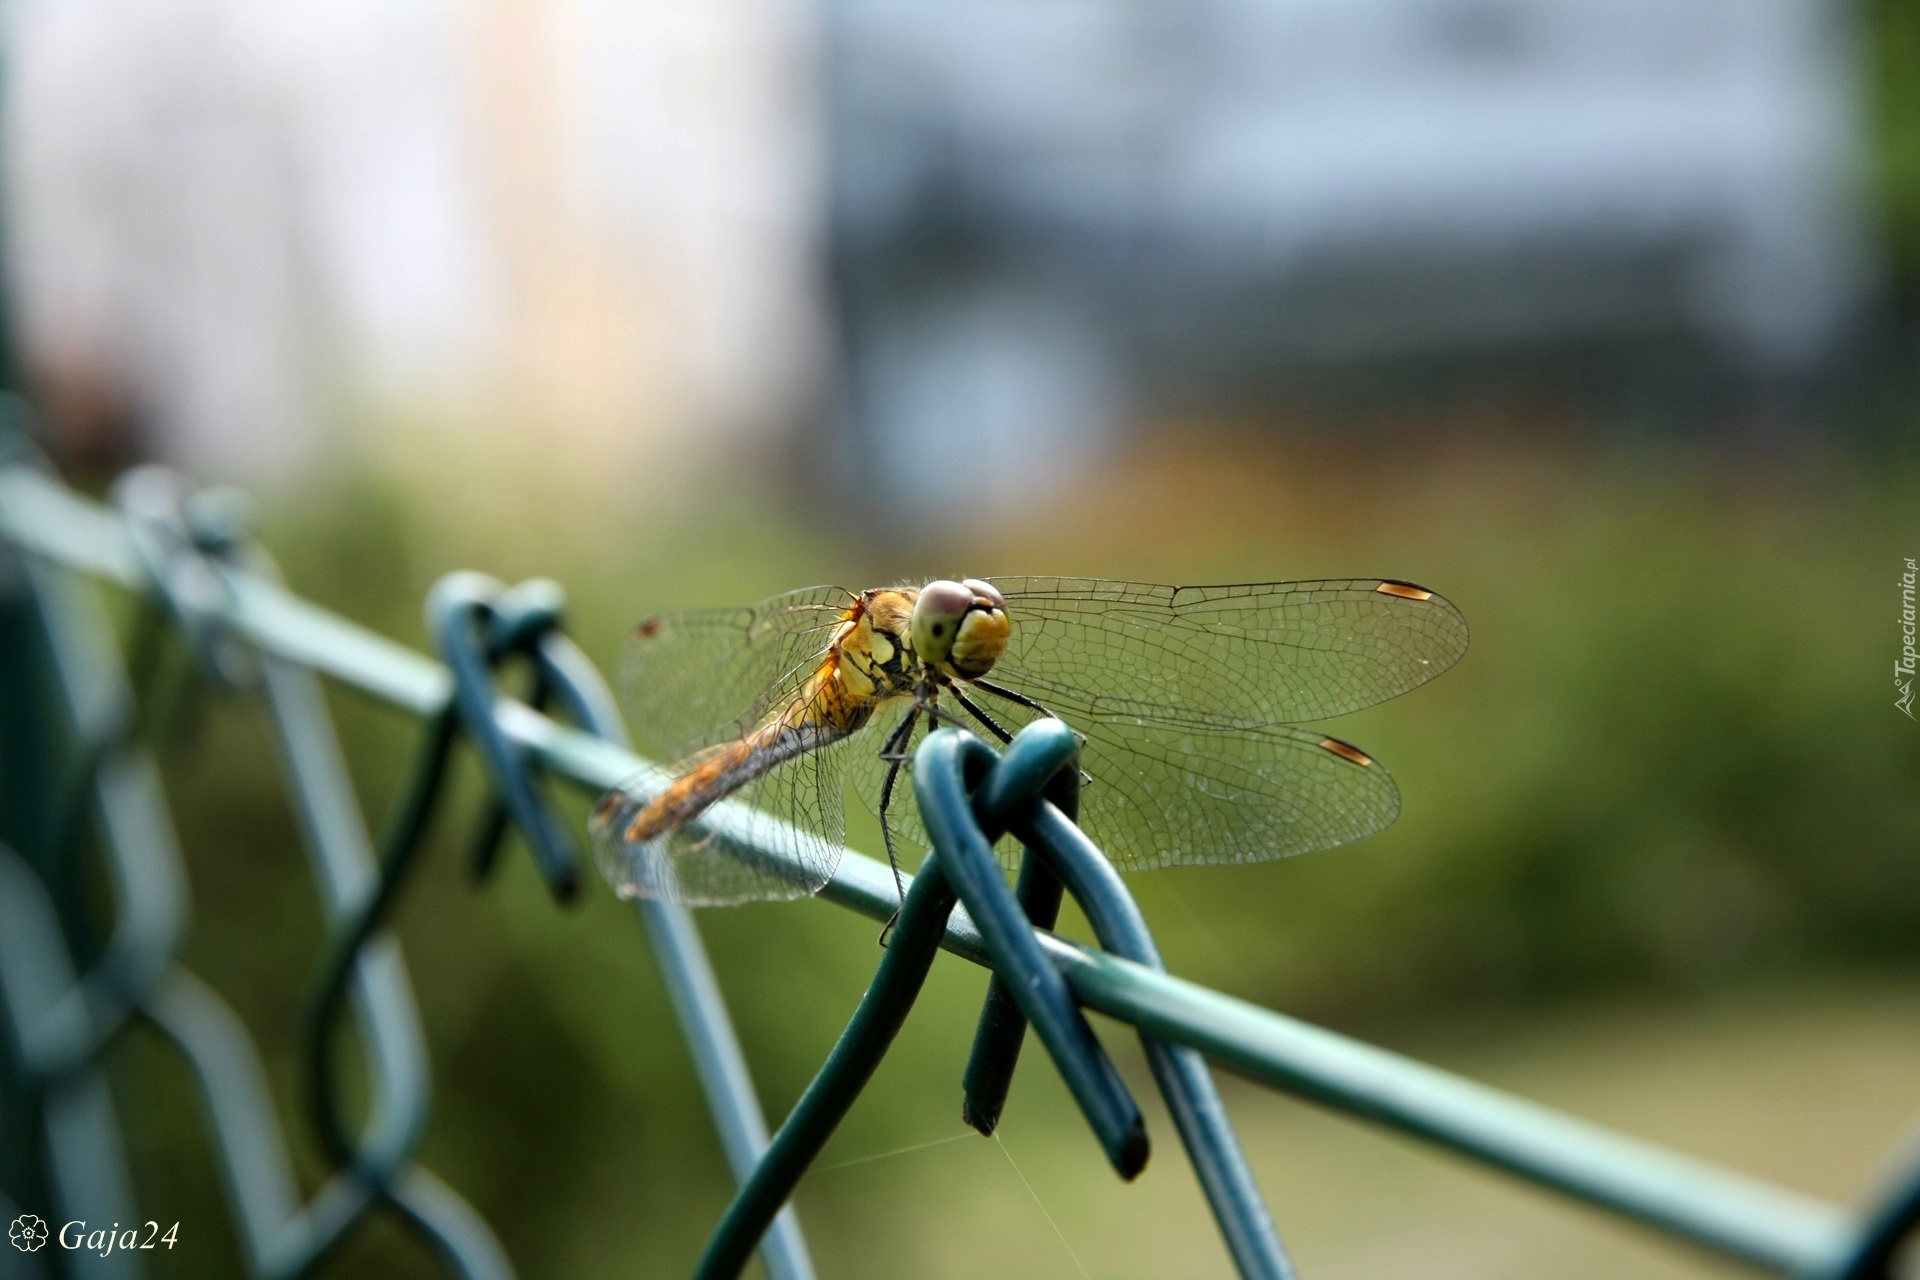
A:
{"x": 1002, "y": 1027}
{"x": 1048, "y": 751}
{"x": 883, "y": 1009}
{"x": 965, "y": 853}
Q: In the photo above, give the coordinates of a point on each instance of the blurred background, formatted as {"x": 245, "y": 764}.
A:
{"x": 1601, "y": 319}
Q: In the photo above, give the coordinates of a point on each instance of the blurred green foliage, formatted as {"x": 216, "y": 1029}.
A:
{"x": 1670, "y": 765}
{"x": 1893, "y": 64}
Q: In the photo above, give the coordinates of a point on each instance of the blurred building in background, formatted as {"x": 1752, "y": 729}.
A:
{"x": 575, "y": 234}
{"x": 985, "y": 237}
{"x": 1049, "y": 220}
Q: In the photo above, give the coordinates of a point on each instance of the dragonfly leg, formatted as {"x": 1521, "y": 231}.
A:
{"x": 1014, "y": 696}
{"x": 994, "y": 727}
{"x": 1018, "y": 699}
{"x": 895, "y": 754}
{"x": 940, "y": 715}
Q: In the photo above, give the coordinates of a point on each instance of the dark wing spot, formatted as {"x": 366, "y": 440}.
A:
{"x": 1346, "y": 751}
{"x": 1405, "y": 590}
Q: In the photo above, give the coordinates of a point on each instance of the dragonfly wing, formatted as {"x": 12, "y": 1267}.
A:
{"x": 696, "y": 678}
{"x": 1160, "y": 799}
{"x": 1260, "y": 653}
{"x": 780, "y": 836}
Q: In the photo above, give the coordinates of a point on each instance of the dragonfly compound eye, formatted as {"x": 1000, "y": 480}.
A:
{"x": 982, "y": 639}
{"x": 937, "y": 615}
{"x": 961, "y": 625}
{"x": 985, "y": 593}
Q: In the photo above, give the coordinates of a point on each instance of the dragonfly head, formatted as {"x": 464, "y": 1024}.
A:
{"x": 960, "y": 626}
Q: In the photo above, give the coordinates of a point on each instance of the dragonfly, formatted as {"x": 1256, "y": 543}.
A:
{"x": 1192, "y": 702}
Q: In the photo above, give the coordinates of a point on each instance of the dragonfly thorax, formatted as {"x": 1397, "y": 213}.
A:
{"x": 895, "y": 640}
{"x": 873, "y": 651}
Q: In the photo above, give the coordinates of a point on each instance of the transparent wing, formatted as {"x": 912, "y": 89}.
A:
{"x": 694, "y": 679}
{"x": 695, "y": 682}
{"x": 1159, "y": 796}
{"x": 789, "y": 848}
{"x": 1268, "y": 653}
{"x": 1165, "y": 800}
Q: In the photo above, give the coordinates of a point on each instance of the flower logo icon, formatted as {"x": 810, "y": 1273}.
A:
{"x": 27, "y": 1233}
